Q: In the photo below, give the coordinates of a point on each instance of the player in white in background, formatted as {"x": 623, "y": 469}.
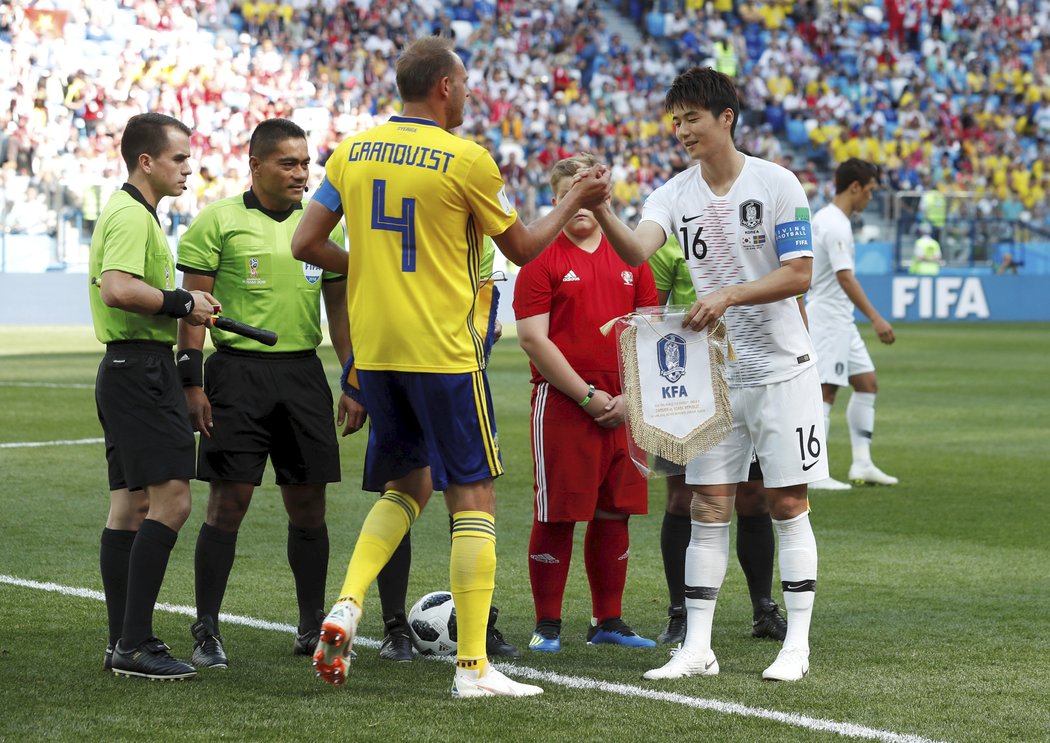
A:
{"x": 842, "y": 357}
{"x": 743, "y": 224}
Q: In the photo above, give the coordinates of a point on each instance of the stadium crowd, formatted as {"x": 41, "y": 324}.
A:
{"x": 952, "y": 96}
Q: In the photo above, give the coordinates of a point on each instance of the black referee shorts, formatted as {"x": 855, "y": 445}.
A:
{"x": 142, "y": 410}
{"x": 268, "y": 404}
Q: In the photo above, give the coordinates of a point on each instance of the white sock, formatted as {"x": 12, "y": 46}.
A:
{"x": 827, "y": 420}
{"x": 706, "y": 561}
{"x": 797, "y": 556}
{"x": 860, "y": 414}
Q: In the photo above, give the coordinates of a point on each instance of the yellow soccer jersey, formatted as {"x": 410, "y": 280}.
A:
{"x": 418, "y": 202}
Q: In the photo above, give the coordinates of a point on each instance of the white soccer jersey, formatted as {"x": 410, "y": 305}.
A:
{"x": 741, "y": 237}
{"x": 833, "y": 251}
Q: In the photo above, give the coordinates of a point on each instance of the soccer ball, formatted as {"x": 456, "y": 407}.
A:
{"x": 432, "y": 622}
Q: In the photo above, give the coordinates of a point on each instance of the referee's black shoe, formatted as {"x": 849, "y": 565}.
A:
{"x": 495, "y": 644}
{"x": 306, "y": 641}
{"x": 676, "y": 626}
{"x": 150, "y": 660}
{"x": 107, "y": 661}
{"x": 768, "y": 622}
{"x": 397, "y": 640}
{"x": 208, "y": 651}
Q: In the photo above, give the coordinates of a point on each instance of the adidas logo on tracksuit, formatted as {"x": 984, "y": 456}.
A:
{"x": 571, "y": 276}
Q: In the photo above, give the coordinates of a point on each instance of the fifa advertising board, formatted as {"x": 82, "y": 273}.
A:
{"x": 948, "y": 298}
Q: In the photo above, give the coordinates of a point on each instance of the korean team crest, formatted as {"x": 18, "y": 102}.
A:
{"x": 751, "y": 214}
{"x": 670, "y": 353}
{"x": 628, "y": 278}
{"x": 668, "y": 416}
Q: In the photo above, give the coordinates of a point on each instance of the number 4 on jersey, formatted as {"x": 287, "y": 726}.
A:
{"x": 405, "y": 224}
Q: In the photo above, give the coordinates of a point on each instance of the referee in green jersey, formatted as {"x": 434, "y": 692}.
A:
{"x": 149, "y": 441}
{"x": 251, "y": 401}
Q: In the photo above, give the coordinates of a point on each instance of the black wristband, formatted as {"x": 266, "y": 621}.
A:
{"x": 177, "y": 303}
{"x": 190, "y": 362}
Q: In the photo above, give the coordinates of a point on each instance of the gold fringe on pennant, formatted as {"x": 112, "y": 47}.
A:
{"x": 702, "y": 438}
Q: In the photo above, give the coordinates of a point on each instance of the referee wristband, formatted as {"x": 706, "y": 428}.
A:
{"x": 190, "y": 363}
{"x": 177, "y": 303}
{"x": 590, "y": 394}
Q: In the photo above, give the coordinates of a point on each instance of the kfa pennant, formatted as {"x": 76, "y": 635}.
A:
{"x": 674, "y": 389}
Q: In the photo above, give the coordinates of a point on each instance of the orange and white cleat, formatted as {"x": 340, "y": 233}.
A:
{"x": 332, "y": 657}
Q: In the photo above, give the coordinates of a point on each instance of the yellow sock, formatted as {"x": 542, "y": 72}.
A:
{"x": 472, "y": 575}
{"x": 384, "y": 528}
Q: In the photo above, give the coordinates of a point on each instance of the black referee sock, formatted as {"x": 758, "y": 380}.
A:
{"x": 393, "y": 579}
{"x": 754, "y": 549}
{"x": 113, "y": 558}
{"x": 674, "y": 539}
{"x": 212, "y": 563}
{"x": 149, "y": 561}
{"x": 308, "y": 558}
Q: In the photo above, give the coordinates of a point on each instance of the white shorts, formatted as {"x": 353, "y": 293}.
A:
{"x": 841, "y": 353}
{"x": 783, "y": 423}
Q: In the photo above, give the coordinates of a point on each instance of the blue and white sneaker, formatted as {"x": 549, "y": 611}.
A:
{"x": 615, "y": 631}
{"x": 547, "y": 637}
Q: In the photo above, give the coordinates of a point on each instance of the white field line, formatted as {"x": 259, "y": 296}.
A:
{"x": 34, "y": 444}
{"x": 846, "y": 729}
{"x": 50, "y": 385}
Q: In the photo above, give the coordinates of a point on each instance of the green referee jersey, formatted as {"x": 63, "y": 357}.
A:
{"x": 672, "y": 274}
{"x": 128, "y": 237}
{"x": 247, "y": 249}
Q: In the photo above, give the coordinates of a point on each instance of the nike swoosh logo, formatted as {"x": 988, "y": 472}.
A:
{"x": 690, "y": 219}
{"x": 808, "y": 467}
{"x": 707, "y": 666}
{"x": 794, "y": 586}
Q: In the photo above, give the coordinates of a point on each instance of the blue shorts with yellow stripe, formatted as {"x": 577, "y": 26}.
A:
{"x": 420, "y": 419}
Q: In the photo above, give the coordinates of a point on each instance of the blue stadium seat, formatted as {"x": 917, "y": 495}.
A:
{"x": 797, "y": 134}
{"x": 654, "y": 24}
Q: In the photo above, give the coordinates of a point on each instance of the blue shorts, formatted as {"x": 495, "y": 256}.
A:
{"x": 444, "y": 421}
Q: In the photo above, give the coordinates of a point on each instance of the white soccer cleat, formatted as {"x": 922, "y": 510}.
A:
{"x": 489, "y": 683}
{"x": 830, "y": 483}
{"x": 685, "y": 662}
{"x": 869, "y": 474}
{"x": 332, "y": 657}
{"x": 790, "y": 665}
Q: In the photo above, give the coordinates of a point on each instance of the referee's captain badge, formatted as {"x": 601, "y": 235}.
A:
{"x": 670, "y": 353}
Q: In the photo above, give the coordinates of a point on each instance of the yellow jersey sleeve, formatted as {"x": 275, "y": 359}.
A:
{"x": 487, "y": 197}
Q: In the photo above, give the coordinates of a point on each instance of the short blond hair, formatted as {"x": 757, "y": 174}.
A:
{"x": 570, "y": 166}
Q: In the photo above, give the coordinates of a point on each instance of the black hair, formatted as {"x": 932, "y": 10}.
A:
{"x": 270, "y": 133}
{"x": 146, "y": 134}
{"x": 852, "y": 170}
{"x": 705, "y": 88}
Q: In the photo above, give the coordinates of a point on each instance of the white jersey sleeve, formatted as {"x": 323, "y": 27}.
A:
{"x": 658, "y": 208}
{"x": 793, "y": 228}
{"x": 833, "y": 251}
{"x": 740, "y": 237}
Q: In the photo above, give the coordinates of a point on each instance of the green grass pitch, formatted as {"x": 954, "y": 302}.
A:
{"x": 931, "y": 618}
